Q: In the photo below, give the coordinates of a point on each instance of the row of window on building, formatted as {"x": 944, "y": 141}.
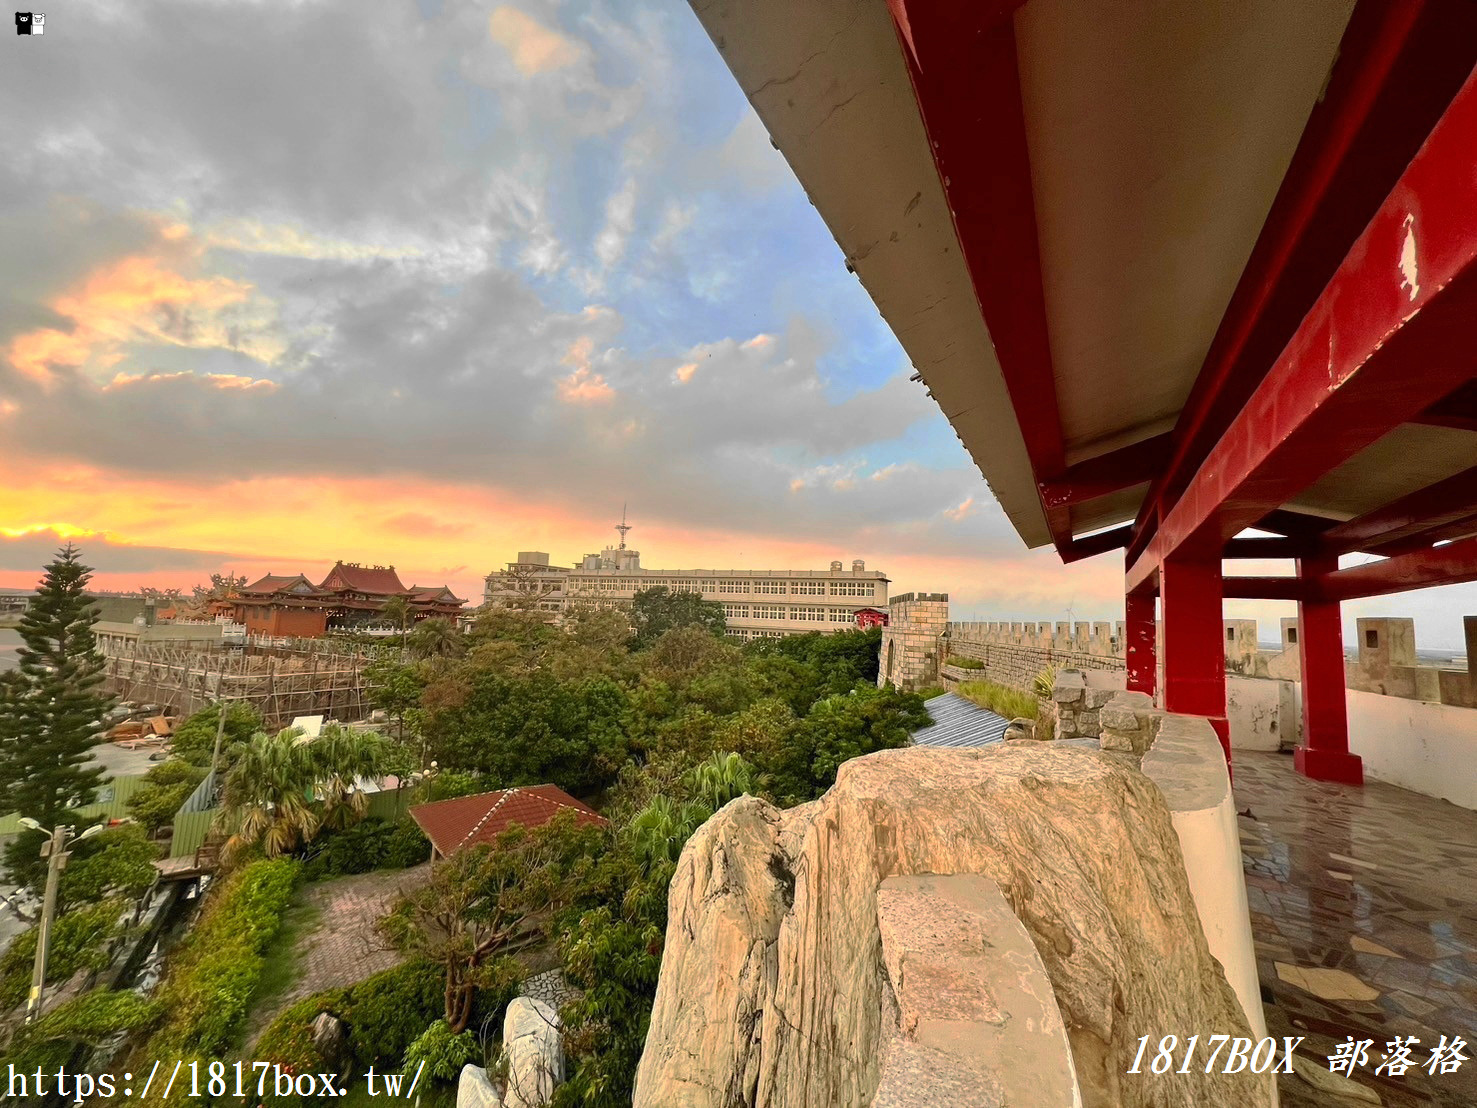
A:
{"x": 745, "y": 588}
{"x": 793, "y": 613}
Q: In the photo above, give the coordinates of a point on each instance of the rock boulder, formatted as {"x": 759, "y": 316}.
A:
{"x": 774, "y": 990}
{"x": 534, "y": 1051}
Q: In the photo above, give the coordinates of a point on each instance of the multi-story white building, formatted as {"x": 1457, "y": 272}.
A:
{"x": 759, "y": 603}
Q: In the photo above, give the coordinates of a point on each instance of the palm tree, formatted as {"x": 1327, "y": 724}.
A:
{"x": 284, "y": 786}
{"x": 660, "y": 830}
{"x": 721, "y": 778}
{"x": 396, "y": 612}
{"x": 438, "y": 638}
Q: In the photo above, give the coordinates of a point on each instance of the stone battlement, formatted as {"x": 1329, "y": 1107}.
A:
{"x": 921, "y": 640}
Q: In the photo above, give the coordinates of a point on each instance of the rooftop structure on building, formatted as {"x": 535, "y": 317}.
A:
{"x": 464, "y": 821}
{"x": 1192, "y": 283}
{"x": 757, "y": 603}
{"x": 350, "y": 596}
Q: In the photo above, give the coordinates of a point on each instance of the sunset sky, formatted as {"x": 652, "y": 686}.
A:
{"x": 428, "y": 284}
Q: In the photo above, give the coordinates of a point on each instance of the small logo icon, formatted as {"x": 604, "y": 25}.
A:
{"x": 28, "y": 23}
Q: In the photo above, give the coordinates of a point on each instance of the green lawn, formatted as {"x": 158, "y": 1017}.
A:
{"x": 281, "y": 970}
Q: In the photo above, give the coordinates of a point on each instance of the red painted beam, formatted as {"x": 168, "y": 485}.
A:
{"x": 1108, "y": 473}
{"x": 1104, "y": 541}
{"x": 961, "y": 58}
{"x": 1295, "y": 525}
{"x": 1398, "y": 67}
{"x": 1451, "y": 564}
{"x": 1264, "y": 588}
{"x": 1268, "y": 548}
{"x": 1459, "y": 410}
{"x": 1391, "y": 334}
{"x": 1445, "y": 502}
{"x": 1459, "y": 529}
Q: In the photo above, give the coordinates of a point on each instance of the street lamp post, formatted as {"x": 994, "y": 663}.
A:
{"x": 54, "y": 850}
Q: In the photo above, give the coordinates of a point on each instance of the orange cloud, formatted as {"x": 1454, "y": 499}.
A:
{"x": 535, "y": 48}
{"x": 136, "y": 299}
{"x": 684, "y": 372}
{"x": 584, "y": 385}
{"x": 214, "y": 380}
{"x": 962, "y": 511}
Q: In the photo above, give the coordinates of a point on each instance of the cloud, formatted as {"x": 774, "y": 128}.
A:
{"x": 962, "y": 511}
{"x": 583, "y": 386}
{"x": 136, "y": 300}
{"x": 421, "y": 282}
{"x": 534, "y": 47}
{"x": 424, "y": 524}
{"x": 31, "y": 548}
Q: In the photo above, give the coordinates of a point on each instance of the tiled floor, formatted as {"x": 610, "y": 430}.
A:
{"x": 1327, "y": 865}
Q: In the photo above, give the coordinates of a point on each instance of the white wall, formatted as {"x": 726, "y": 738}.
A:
{"x": 1263, "y": 714}
{"x": 1430, "y": 748}
{"x": 1187, "y": 764}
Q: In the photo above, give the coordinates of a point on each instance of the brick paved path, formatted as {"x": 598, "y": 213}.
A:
{"x": 342, "y": 947}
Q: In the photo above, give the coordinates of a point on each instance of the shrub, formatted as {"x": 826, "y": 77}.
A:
{"x": 966, "y": 663}
{"x": 79, "y": 941}
{"x": 1003, "y": 701}
{"x": 90, "y": 1019}
{"x": 207, "y": 991}
{"x": 1044, "y": 682}
{"x": 165, "y": 788}
{"x": 442, "y": 1053}
{"x": 387, "y": 1012}
{"x": 370, "y": 845}
{"x": 288, "y": 1040}
{"x": 383, "y": 1015}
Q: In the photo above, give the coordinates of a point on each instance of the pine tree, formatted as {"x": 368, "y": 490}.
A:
{"x": 52, "y": 710}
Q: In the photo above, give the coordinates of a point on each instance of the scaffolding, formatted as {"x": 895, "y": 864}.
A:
{"x": 306, "y": 677}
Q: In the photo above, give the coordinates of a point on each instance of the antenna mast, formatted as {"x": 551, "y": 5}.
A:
{"x": 623, "y": 526}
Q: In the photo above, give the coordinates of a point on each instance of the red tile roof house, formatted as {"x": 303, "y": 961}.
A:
{"x": 466, "y": 820}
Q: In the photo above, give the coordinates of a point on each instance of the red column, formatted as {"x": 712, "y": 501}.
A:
{"x": 1138, "y": 615}
{"x": 1324, "y": 753}
{"x": 1194, "y": 655}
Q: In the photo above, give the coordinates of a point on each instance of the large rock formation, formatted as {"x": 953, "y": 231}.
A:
{"x": 534, "y": 1054}
{"x": 775, "y": 991}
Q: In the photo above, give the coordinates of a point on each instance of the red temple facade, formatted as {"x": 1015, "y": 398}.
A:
{"x": 352, "y": 595}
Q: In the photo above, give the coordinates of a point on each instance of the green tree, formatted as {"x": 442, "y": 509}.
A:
{"x": 396, "y": 612}
{"x": 531, "y": 730}
{"x": 284, "y": 787}
{"x": 657, "y": 610}
{"x": 165, "y": 788}
{"x": 194, "y": 739}
{"x": 659, "y": 831}
{"x": 53, "y": 707}
{"x": 114, "y": 864}
{"x": 720, "y": 778}
{"x": 436, "y": 638}
{"x": 837, "y": 729}
{"x": 483, "y": 897}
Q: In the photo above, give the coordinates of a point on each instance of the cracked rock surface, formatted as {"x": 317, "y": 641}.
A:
{"x": 774, "y": 991}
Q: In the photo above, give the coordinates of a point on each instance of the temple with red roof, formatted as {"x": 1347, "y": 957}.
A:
{"x": 351, "y": 595}
{"x": 464, "y": 821}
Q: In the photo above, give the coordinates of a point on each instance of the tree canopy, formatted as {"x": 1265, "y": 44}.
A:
{"x": 52, "y": 707}
{"x": 657, "y": 610}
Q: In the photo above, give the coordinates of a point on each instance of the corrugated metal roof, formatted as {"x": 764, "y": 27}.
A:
{"x": 958, "y": 722}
